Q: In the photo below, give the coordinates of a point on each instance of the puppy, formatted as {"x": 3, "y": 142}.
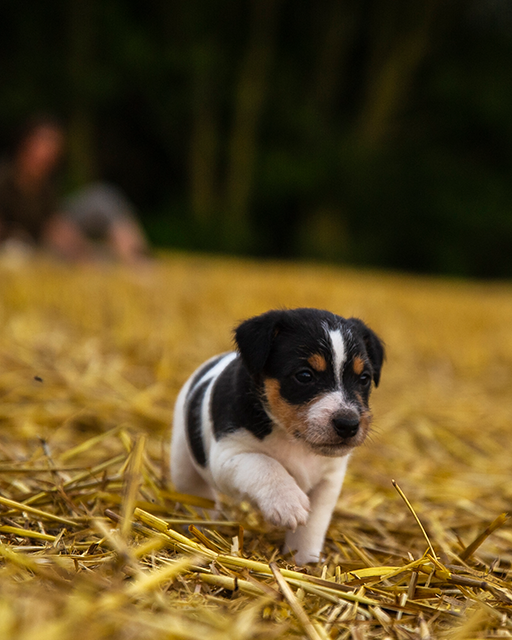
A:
{"x": 276, "y": 421}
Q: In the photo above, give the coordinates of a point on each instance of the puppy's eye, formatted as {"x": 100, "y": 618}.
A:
{"x": 304, "y": 376}
{"x": 365, "y": 379}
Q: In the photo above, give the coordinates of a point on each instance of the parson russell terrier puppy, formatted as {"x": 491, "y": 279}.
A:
{"x": 276, "y": 421}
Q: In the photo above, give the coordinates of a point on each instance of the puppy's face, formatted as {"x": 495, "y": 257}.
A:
{"x": 316, "y": 376}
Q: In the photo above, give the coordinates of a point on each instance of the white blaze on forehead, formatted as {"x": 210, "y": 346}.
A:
{"x": 338, "y": 352}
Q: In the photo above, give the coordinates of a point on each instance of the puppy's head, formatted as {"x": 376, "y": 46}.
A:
{"x": 314, "y": 371}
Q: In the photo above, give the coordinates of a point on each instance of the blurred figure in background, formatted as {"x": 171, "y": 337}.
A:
{"x": 103, "y": 224}
{"x": 97, "y": 222}
{"x": 27, "y": 193}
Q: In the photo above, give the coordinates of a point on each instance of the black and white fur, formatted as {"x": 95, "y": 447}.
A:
{"x": 276, "y": 421}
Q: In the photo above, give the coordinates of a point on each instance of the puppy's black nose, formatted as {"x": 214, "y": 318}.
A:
{"x": 346, "y": 424}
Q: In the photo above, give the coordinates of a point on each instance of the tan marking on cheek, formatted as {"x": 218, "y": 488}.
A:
{"x": 358, "y": 365}
{"x": 290, "y": 416}
{"x": 364, "y": 427}
{"x": 363, "y": 404}
{"x": 318, "y": 362}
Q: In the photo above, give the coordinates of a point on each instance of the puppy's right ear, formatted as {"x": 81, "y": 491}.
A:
{"x": 254, "y": 339}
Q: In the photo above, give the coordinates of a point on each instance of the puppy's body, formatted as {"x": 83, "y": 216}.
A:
{"x": 275, "y": 422}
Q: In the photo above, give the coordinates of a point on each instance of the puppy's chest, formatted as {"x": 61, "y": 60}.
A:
{"x": 307, "y": 468}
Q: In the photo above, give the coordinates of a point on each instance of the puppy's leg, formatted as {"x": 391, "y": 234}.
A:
{"x": 308, "y": 540}
{"x": 186, "y": 479}
{"x": 184, "y": 474}
{"x": 265, "y": 483}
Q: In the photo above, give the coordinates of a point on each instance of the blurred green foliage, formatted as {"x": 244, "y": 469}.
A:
{"x": 375, "y": 132}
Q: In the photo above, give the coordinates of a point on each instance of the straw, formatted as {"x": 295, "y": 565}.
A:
{"x": 96, "y": 543}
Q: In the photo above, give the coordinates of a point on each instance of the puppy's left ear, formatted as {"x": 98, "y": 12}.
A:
{"x": 254, "y": 339}
{"x": 374, "y": 347}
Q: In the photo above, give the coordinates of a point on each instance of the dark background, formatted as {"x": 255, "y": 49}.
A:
{"x": 365, "y": 132}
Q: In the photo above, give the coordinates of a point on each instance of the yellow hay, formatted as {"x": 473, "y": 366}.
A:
{"x": 95, "y": 542}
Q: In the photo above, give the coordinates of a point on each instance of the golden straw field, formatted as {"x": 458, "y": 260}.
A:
{"x": 94, "y": 542}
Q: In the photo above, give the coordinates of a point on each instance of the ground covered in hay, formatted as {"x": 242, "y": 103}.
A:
{"x": 94, "y": 542}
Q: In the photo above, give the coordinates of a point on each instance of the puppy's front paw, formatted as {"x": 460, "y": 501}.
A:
{"x": 285, "y": 506}
{"x": 304, "y": 549}
{"x": 306, "y": 557}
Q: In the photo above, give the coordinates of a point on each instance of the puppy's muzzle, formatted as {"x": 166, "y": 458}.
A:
{"x": 346, "y": 424}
